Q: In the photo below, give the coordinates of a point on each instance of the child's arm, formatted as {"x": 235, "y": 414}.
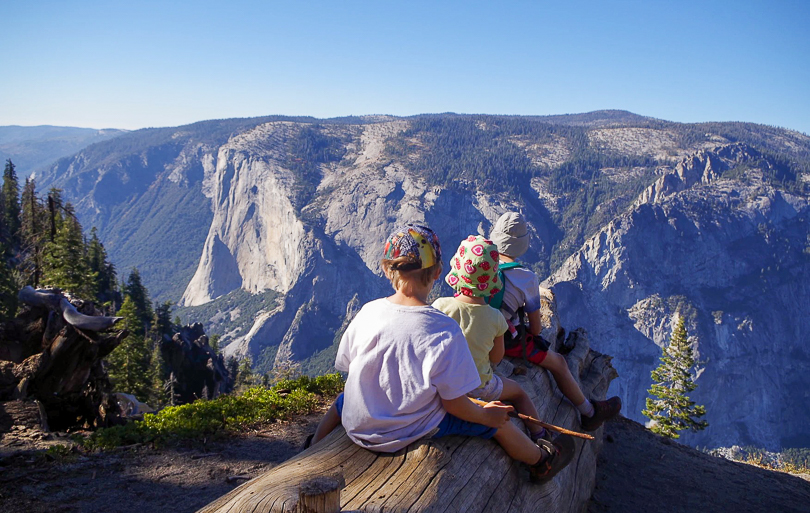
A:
{"x": 496, "y": 354}
{"x": 494, "y": 414}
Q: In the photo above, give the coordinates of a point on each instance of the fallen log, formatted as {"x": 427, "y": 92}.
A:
{"x": 447, "y": 474}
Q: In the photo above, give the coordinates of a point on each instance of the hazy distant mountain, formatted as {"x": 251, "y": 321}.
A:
{"x": 269, "y": 230}
{"x": 34, "y": 147}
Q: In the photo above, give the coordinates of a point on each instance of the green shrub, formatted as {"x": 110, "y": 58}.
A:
{"x": 60, "y": 453}
{"x": 222, "y": 415}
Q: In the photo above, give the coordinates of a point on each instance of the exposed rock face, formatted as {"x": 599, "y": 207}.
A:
{"x": 735, "y": 260}
{"x": 329, "y": 268}
{"x": 254, "y": 239}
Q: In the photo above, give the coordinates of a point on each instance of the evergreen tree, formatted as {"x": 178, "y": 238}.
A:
{"x": 214, "y": 343}
{"x": 244, "y": 377}
{"x": 129, "y": 362}
{"x": 8, "y": 292}
{"x": 65, "y": 263}
{"x": 671, "y": 410}
{"x": 161, "y": 326}
{"x": 136, "y": 291}
{"x": 158, "y": 392}
{"x": 32, "y": 234}
{"x": 11, "y": 208}
{"x": 54, "y": 214}
{"x": 232, "y": 366}
{"x": 161, "y": 321}
{"x": 244, "y": 374}
{"x": 104, "y": 285}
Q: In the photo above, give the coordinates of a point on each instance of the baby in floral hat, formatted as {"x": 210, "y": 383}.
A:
{"x": 474, "y": 276}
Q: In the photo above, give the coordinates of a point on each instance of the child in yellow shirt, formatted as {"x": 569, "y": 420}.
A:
{"x": 474, "y": 276}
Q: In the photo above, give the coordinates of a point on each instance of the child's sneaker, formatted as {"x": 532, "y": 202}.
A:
{"x": 556, "y": 456}
{"x": 602, "y": 411}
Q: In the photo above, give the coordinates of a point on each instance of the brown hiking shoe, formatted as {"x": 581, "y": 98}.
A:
{"x": 602, "y": 411}
{"x": 556, "y": 456}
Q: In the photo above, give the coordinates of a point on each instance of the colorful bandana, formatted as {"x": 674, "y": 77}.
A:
{"x": 474, "y": 268}
{"x": 416, "y": 242}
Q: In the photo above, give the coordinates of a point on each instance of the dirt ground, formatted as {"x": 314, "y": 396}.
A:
{"x": 637, "y": 472}
{"x": 139, "y": 478}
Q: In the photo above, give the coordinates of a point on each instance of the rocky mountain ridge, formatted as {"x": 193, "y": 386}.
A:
{"x": 300, "y": 207}
{"x": 733, "y": 258}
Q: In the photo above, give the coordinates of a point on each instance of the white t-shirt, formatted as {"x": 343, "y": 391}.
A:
{"x": 401, "y": 361}
{"x": 520, "y": 288}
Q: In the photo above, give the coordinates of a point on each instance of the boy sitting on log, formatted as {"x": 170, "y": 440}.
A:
{"x": 409, "y": 369}
{"x": 521, "y": 290}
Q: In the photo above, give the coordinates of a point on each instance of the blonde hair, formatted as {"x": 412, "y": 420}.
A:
{"x": 392, "y": 271}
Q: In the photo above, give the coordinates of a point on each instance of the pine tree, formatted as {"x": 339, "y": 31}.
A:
{"x": 32, "y": 234}
{"x": 232, "y": 366}
{"x": 158, "y": 392}
{"x": 129, "y": 362}
{"x": 161, "y": 326}
{"x": 54, "y": 214}
{"x": 161, "y": 321}
{"x": 136, "y": 291}
{"x": 104, "y": 285}
{"x": 244, "y": 375}
{"x": 671, "y": 410}
{"x": 11, "y": 208}
{"x": 8, "y": 291}
{"x": 214, "y": 343}
{"x": 64, "y": 262}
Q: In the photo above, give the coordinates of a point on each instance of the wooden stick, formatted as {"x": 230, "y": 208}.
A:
{"x": 550, "y": 427}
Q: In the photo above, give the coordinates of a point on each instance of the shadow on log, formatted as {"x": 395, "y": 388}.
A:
{"x": 448, "y": 474}
{"x": 52, "y": 352}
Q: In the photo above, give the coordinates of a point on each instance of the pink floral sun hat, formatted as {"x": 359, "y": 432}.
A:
{"x": 474, "y": 268}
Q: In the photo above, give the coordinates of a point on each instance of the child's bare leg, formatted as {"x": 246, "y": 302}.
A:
{"x": 328, "y": 423}
{"x": 513, "y": 393}
{"x": 517, "y": 445}
{"x": 556, "y": 364}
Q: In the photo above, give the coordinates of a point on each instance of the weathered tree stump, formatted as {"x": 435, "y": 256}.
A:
{"x": 320, "y": 495}
{"x": 52, "y": 353}
{"x": 447, "y": 474}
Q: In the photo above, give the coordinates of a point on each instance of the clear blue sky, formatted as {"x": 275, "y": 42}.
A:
{"x": 137, "y": 63}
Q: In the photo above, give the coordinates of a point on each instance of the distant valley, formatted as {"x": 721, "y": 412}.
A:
{"x": 32, "y": 148}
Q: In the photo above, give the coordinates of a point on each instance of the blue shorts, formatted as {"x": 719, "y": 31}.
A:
{"x": 450, "y": 425}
